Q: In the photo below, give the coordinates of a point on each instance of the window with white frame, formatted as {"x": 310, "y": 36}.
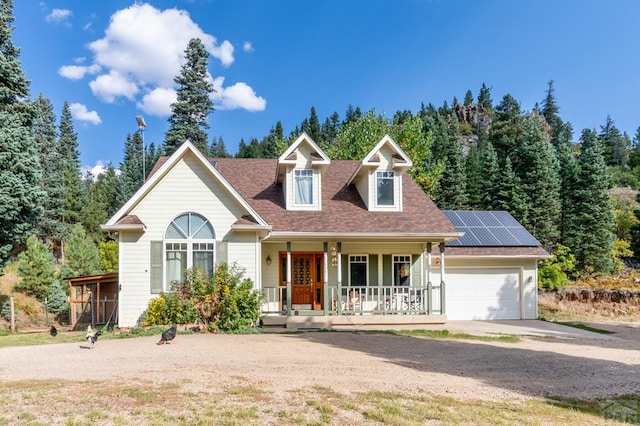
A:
{"x": 358, "y": 265}
{"x": 303, "y": 191}
{"x": 189, "y": 243}
{"x": 402, "y": 270}
{"x": 385, "y": 188}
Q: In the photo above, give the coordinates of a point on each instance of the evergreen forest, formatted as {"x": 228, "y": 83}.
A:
{"x": 573, "y": 189}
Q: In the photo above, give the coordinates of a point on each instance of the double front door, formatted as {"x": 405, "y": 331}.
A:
{"x": 307, "y": 280}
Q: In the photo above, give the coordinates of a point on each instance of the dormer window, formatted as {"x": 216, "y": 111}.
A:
{"x": 385, "y": 188}
{"x": 303, "y": 187}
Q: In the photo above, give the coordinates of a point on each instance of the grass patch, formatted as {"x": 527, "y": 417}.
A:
{"x": 624, "y": 408}
{"x": 584, "y": 327}
{"x": 38, "y": 402}
{"x": 446, "y": 334}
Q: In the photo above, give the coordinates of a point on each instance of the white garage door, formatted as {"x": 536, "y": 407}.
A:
{"x": 478, "y": 294}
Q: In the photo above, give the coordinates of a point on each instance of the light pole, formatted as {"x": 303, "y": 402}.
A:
{"x": 141, "y": 126}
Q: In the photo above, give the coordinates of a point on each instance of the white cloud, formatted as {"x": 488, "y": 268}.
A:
{"x": 238, "y": 96}
{"x": 96, "y": 170}
{"x": 80, "y": 113}
{"x": 109, "y": 87}
{"x": 142, "y": 51}
{"x": 77, "y": 72}
{"x": 58, "y": 16}
{"x": 158, "y": 101}
{"x": 247, "y": 47}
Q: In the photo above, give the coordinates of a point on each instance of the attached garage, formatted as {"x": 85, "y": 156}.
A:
{"x": 491, "y": 272}
{"x": 483, "y": 294}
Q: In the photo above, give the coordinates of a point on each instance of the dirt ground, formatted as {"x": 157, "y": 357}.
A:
{"x": 351, "y": 362}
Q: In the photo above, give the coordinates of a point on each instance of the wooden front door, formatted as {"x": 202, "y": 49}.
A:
{"x": 307, "y": 280}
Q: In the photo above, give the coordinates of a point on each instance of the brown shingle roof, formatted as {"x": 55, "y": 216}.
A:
{"x": 343, "y": 211}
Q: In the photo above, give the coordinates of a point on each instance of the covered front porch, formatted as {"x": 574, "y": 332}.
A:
{"x": 353, "y": 283}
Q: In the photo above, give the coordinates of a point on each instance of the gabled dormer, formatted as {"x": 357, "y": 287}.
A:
{"x": 300, "y": 170}
{"x": 378, "y": 179}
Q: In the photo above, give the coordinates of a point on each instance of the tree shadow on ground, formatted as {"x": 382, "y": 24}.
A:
{"x": 534, "y": 373}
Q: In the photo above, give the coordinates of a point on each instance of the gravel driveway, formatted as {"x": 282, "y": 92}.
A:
{"x": 352, "y": 361}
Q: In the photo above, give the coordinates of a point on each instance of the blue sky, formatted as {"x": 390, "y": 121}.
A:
{"x": 273, "y": 60}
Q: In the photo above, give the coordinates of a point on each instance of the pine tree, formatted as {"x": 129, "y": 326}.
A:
{"x": 484, "y": 99}
{"x": 314, "y": 127}
{"x": 590, "y": 235}
{"x": 71, "y": 179}
{"x": 468, "y": 98}
{"x": 491, "y": 171}
{"x": 510, "y": 196}
{"x": 82, "y": 256}
{"x": 130, "y": 178}
{"x": 506, "y": 129}
{"x": 217, "y": 149}
{"x": 568, "y": 173}
{"x": 474, "y": 176}
{"x": 450, "y": 192}
{"x": 45, "y": 132}
{"x": 99, "y": 194}
{"x": 20, "y": 170}
{"x": 540, "y": 182}
{"x": 193, "y": 105}
{"x": 634, "y": 156}
{"x": 272, "y": 144}
{"x": 36, "y": 269}
{"x": 615, "y": 144}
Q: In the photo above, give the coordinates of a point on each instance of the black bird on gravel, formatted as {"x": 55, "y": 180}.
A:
{"x": 168, "y": 335}
{"x": 53, "y": 331}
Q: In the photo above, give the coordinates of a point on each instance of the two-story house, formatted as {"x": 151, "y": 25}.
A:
{"x": 329, "y": 242}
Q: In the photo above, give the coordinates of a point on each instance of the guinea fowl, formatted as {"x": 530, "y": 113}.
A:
{"x": 53, "y": 331}
{"x": 92, "y": 337}
{"x": 168, "y": 335}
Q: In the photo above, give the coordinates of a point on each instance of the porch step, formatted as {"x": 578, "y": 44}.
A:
{"x": 337, "y": 322}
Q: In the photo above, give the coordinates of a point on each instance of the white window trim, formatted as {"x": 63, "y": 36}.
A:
{"x": 366, "y": 262}
{"x": 401, "y": 259}
{"x": 295, "y": 187}
{"x": 393, "y": 179}
{"x": 190, "y": 241}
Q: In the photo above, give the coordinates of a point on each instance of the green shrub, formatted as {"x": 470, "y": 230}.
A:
{"x": 554, "y": 272}
{"x": 227, "y": 302}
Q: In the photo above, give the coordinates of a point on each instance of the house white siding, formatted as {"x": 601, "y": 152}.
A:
{"x": 188, "y": 187}
{"x": 303, "y": 161}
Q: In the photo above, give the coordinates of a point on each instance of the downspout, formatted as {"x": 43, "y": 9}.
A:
{"x": 442, "y": 285}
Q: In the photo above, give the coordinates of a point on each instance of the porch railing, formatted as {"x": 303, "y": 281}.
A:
{"x": 345, "y": 300}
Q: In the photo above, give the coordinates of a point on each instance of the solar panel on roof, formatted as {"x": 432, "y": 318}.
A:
{"x": 486, "y": 237}
{"x": 506, "y": 219}
{"x": 485, "y": 228}
{"x": 470, "y": 218}
{"x": 524, "y": 237}
{"x": 505, "y": 237}
{"x": 488, "y": 219}
{"x": 453, "y": 217}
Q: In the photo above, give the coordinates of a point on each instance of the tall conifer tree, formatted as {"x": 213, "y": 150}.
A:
{"x": 450, "y": 193}
{"x": 20, "y": 170}
{"x": 71, "y": 179}
{"x": 130, "y": 178}
{"x": 45, "y": 132}
{"x": 540, "y": 182}
{"x": 591, "y": 234}
{"x": 190, "y": 111}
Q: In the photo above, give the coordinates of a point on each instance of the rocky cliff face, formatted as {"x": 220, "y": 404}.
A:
{"x": 472, "y": 115}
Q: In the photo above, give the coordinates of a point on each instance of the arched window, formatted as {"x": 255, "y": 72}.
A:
{"x": 189, "y": 242}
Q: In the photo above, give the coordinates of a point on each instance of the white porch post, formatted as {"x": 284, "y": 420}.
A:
{"x": 339, "y": 295}
{"x": 429, "y": 285}
{"x": 288, "y": 278}
{"x": 442, "y": 285}
{"x": 325, "y": 278}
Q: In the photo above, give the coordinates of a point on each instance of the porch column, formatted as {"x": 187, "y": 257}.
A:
{"x": 288, "y": 278}
{"x": 339, "y": 295}
{"x": 325, "y": 275}
{"x": 429, "y": 285}
{"x": 442, "y": 286}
